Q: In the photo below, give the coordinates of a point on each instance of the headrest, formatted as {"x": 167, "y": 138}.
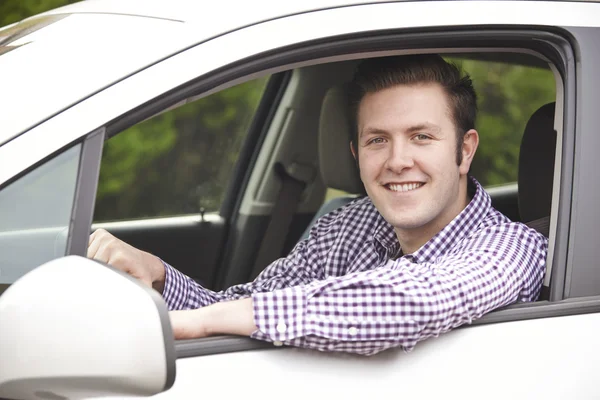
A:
{"x": 536, "y": 165}
{"x": 338, "y": 167}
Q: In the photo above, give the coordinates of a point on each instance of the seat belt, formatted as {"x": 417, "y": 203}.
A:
{"x": 294, "y": 180}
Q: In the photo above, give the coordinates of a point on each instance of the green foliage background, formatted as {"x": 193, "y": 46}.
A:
{"x": 507, "y": 96}
{"x": 181, "y": 160}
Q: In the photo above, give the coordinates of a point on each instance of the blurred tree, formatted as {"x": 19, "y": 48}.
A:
{"x": 178, "y": 161}
{"x": 507, "y": 96}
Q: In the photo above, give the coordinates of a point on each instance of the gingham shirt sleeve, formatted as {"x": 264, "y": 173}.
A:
{"x": 401, "y": 302}
{"x": 301, "y": 266}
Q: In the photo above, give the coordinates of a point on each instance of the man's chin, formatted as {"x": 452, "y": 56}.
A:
{"x": 407, "y": 226}
{"x": 406, "y": 223}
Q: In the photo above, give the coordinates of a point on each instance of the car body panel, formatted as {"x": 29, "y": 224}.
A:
{"x": 76, "y": 66}
{"x": 498, "y": 361}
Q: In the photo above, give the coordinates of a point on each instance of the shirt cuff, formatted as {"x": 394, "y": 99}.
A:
{"x": 177, "y": 288}
{"x": 280, "y": 315}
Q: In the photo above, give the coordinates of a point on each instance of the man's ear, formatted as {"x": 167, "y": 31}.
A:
{"x": 353, "y": 151}
{"x": 469, "y": 147}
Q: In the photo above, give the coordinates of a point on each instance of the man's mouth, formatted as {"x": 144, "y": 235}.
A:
{"x": 403, "y": 187}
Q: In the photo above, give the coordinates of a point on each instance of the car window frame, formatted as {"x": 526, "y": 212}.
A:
{"x": 547, "y": 42}
{"x": 85, "y": 193}
{"x": 581, "y": 280}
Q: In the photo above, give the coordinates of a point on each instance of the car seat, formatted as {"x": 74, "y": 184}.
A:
{"x": 338, "y": 168}
{"x": 536, "y": 169}
{"x": 536, "y": 173}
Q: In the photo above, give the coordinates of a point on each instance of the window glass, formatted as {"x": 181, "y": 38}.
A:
{"x": 508, "y": 94}
{"x": 178, "y": 161}
{"x": 35, "y": 212}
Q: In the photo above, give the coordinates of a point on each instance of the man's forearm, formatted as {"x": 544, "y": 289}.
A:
{"x": 235, "y": 317}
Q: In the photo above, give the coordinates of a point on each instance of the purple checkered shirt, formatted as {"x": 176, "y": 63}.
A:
{"x": 345, "y": 289}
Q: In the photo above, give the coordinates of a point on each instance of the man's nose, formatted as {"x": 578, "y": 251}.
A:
{"x": 399, "y": 158}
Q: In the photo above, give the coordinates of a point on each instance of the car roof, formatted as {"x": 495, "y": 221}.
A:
{"x": 232, "y": 12}
{"x": 227, "y": 14}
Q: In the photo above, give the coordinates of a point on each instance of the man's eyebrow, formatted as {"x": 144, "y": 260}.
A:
{"x": 412, "y": 129}
{"x": 372, "y": 131}
{"x": 423, "y": 127}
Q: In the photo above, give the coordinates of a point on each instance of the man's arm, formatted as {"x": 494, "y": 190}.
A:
{"x": 301, "y": 266}
{"x": 398, "y": 304}
{"x": 403, "y": 303}
{"x": 234, "y": 317}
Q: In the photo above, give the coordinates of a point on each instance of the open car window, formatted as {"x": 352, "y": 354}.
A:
{"x": 178, "y": 162}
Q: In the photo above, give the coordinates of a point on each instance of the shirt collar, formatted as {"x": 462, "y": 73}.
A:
{"x": 459, "y": 227}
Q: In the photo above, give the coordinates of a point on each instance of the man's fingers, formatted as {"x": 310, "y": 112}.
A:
{"x": 99, "y": 251}
{"x": 96, "y": 240}
{"x": 93, "y": 247}
{"x": 98, "y": 233}
{"x": 97, "y": 245}
{"x": 106, "y": 248}
{"x": 92, "y": 237}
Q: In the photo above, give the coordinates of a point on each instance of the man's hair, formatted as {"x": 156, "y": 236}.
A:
{"x": 375, "y": 74}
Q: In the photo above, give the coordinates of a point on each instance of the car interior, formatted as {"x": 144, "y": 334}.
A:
{"x": 294, "y": 165}
{"x": 299, "y": 155}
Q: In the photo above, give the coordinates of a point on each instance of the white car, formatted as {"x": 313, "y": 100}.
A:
{"x": 212, "y": 134}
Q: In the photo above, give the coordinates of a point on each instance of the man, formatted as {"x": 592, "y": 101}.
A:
{"x": 424, "y": 253}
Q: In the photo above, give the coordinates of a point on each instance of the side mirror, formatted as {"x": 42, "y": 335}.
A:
{"x": 75, "y": 328}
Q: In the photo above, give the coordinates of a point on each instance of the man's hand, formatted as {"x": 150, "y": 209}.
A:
{"x": 142, "y": 265}
{"x": 234, "y": 317}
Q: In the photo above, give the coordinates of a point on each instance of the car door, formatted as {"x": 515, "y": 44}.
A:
{"x": 467, "y": 361}
{"x": 516, "y": 346}
{"x": 492, "y": 357}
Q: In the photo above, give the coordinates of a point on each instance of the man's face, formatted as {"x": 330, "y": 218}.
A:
{"x": 407, "y": 158}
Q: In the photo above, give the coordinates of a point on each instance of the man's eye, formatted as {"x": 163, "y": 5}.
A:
{"x": 376, "y": 140}
{"x": 421, "y": 137}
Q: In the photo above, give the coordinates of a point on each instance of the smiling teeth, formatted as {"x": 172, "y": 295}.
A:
{"x": 405, "y": 187}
